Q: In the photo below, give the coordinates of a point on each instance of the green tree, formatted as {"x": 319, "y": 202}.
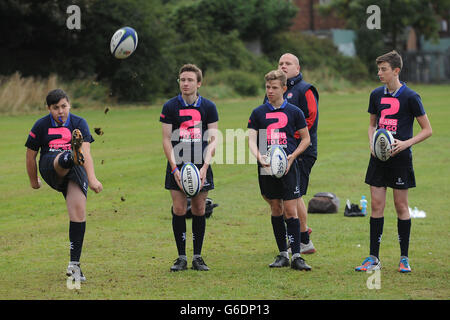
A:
{"x": 253, "y": 19}
{"x": 171, "y": 33}
{"x": 143, "y": 75}
{"x": 396, "y": 15}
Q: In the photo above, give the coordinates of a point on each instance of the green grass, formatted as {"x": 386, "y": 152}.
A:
{"x": 129, "y": 244}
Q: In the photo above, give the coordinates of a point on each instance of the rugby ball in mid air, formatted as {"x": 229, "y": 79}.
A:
{"x": 190, "y": 179}
{"x": 278, "y": 161}
{"x": 382, "y": 143}
{"x": 123, "y": 42}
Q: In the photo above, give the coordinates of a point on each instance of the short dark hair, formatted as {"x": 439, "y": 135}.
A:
{"x": 393, "y": 58}
{"x": 192, "y": 68}
{"x": 55, "y": 95}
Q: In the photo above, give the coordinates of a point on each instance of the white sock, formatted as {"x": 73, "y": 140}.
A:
{"x": 295, "y": 256}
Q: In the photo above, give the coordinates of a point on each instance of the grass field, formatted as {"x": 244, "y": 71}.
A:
{"x": 129, "y": 244}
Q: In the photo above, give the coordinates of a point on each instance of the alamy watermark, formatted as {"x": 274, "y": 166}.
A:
{"x": 74, "y": 19}
{"x": 374, "y": 20}
{"x": 374, "y": 281}
{"x": 74, "y": 281}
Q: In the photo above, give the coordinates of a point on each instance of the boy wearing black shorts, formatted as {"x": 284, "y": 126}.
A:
{"x": 275, "y": 123}
{"x": 66, "y": 165}
{"x": 393, "y": 107}
{"x": 189, "y": 128}
{"x": 306, "y": 97}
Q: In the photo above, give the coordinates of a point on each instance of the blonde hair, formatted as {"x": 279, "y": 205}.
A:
{"x": 276, "y": 75}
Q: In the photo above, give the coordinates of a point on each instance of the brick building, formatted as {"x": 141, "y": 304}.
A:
{"x": 309, "y": 19}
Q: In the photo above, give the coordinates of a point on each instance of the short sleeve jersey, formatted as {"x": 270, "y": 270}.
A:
{"x": 396, "y": 111}
{"x": 280, "y": 125}
{"x": 189, "y": 122}
{"x": 49, "y": 137}
{"x": 305, "y": 96}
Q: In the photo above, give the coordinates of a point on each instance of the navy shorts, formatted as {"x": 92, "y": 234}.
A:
{"x": 384, "y": 174}
{"x": 171, "y": 184}
{"x": 305, "y": 165}
{"x": 285, "y": 188}
{"x": 48, "y": 173}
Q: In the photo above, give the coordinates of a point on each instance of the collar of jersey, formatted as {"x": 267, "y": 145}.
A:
{"x": 184, "y": 104}
{"x": 272, "y": 108}
{"x": 65, "y": 124}
{"x": 397, "y": 92}
{"x": 292, "y": 81}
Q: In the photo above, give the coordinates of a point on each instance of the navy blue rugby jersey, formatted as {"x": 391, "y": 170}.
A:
{"x": 281, "y": 124}
{"x": 189, "y": 122}
{"x": 396, "y": 111}
{"x": 306, "y": 97}
{"x": 48, "y": 136}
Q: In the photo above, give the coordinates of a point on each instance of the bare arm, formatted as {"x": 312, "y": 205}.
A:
{"x": 252, "y": 139}
{"x": 168, "y": 151}
{"x": 304, "y": 143}
{"x": 371, "y": 130}
{"x": 210, "y": 149}
{"x": 94, "y": 184}
{"x": 212, "y": 138}
{"x": 425, "y": 132}
{"x": 32, "y": 169}
{"x": 167, "y": 144}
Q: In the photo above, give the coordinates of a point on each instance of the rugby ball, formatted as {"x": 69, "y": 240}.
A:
{"x": 190, "y": 179}
{"x": 278, "y": 161}
{"x": 382, "y": 144}
{"x": 123, "y": 42}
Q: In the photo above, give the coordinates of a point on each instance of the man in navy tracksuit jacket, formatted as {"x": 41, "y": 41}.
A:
{"x": 305, "y": 96}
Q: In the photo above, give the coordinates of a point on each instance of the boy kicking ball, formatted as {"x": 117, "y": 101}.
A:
{"x": 277, "y": 121}
{"x": 393, "y": 107}
{"x": 66, "y": 165}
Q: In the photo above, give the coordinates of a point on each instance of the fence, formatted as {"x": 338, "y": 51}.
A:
{"x": 426, "y": 67}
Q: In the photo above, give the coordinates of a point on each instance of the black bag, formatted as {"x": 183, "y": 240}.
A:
{"x": 210, "y": 205}
{"x": 324, "y": 202}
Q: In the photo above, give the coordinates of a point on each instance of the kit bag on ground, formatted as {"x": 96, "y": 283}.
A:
{"x": 324, "y": 202}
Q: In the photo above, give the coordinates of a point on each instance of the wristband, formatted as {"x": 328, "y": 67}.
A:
{"x": 173, "y": 171}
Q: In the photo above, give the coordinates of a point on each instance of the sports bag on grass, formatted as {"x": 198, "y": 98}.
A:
{"x": 324, "y": 202}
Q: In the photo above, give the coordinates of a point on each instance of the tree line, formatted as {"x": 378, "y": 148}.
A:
{"x": 210, "y": 33}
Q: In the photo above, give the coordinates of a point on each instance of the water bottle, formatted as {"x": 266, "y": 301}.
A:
{"x": 363, "y": 205}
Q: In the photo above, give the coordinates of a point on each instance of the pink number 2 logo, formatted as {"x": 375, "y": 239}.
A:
{"x": 64, "y": 141}
{"x": 272, "y": 134}
{"x": 393, "y": 109}
{"x": 188, "y": 129}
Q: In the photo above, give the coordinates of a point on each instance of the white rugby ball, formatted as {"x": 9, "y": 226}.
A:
{"x": 190, "y": 179}
{"x": 382, "y": 144}
{"x": 123, "y": 42}
{"x": 278, "y": 161}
